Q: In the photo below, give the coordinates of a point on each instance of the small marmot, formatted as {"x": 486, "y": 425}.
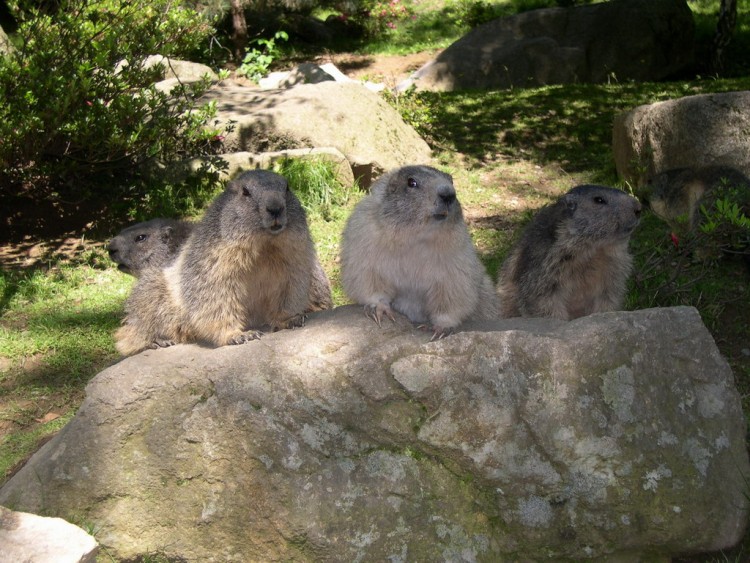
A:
{"x": 150, "y": 244}
{"x": 156, "y": 243}
{"x": 572, "y": 259}
{"x": 247, "y": 265}
{"x": 676, "y": 195}
{"x": 406, "y": 247}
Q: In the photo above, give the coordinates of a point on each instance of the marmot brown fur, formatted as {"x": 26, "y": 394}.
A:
{"x": 247, "y": 265}
{"x": 156, "y": 243}
{"x": 573, "y": 259}
{"x": 150, "y": 244}
{"x": 406, "y": 247}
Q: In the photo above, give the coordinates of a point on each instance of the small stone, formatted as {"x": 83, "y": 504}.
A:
{"x": 39, "y": 539}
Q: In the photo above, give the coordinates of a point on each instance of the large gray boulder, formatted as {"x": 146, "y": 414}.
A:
{"x": 612, "y": 435}
{"x": 620, "y": 39}
{"x": 694, "y": 131}
{"x": 359, "y": 123}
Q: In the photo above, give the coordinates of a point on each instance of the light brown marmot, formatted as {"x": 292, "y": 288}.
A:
{"x": 406, "y": 247}
{"x": 572, "y": 259}
{"x": 156, "y": 243}
{"x": 247, "y": 265}
{"x": 150, "y": 244}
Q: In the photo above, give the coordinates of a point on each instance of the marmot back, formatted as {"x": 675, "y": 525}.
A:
{"x": 150, "y": 244}
{"x": 676, "y": 195}
{"x": 247, "y": 265}
{"x": 572, "y": 259}
{"x": 406, "y": 247}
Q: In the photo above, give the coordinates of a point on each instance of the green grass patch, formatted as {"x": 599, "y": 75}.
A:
{"x": 569, "y": 125}
{"x": 327, "y": 203}
{"x": 17, "y": 446}
{"x": 56, "y": 329}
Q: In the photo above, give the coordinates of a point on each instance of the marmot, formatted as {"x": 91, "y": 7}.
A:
{"x": 156, "y": 243}
{"x": 248, "y": 264}
{"x": 406, "y": 247}
{"x": 573, "y": 259}
{"x": 676, "y": 195}
{"x": 150, "y": 244}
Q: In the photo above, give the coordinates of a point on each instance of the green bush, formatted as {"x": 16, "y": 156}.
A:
{"x": 79, "y": 110}
{"x": 257, "y": 62}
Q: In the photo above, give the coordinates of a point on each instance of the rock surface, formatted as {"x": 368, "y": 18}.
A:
{"x": 346, "y": 116}
{"x": 28, "y": 538}
{"x": 615, "y": 435}
{"x": 620, "y": 39}
{"x": 694, "y": 131}
{"x": 232, "y": 164}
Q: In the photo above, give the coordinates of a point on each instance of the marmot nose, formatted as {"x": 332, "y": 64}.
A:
{"x": 275, "y": 211}
{"x": 447, "y": 197}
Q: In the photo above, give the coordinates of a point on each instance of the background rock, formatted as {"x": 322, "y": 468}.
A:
{"x": 615, "y": 434}
{"x": 346, "y": 116}
{"x": 622, "y": 39}
{"x": 694, "y": 131}
{"x": 6, "y": 47}
{"x": 185, "y": 71}
{"x": 233, "y": 164}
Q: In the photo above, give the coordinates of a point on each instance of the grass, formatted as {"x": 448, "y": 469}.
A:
{"x": 509, "y": 152}
{"x": 55, "y": 333}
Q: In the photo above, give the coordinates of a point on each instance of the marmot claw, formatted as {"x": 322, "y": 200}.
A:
{"x": 376, "y": 312}
{"x": 246, "y": 336}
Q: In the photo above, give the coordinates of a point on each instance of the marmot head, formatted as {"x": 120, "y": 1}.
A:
{"x": 599, "y": 211}
{"x": 418, "y": 195}
{"x": 262, "y": 200}
{"x": 151, "y": 243}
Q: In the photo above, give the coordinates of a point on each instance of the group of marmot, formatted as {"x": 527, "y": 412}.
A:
{"x": 250, "y": 264}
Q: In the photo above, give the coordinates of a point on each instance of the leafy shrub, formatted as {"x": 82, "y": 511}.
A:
{"x": 725, "y": 226}
{"x": 257, "y": 62}
{"x": 414, "y": 110}
{"x": 80, "y": 108}
{"x": 381, "y": 16}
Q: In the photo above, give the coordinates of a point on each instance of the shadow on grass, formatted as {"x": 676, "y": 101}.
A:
{"x": 570, "y": 125}
{"x": 69, "y": 349}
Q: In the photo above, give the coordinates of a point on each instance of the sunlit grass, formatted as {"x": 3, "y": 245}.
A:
{"x": 56, "y": 330}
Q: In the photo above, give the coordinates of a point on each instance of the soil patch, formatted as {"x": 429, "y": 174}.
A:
{"x": 385, "y": 69}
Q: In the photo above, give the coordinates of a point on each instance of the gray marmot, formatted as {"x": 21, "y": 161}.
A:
{"x": 406, "y": 247}
{"x": 248, "y": 264}
{"x": 150, "y": 244}
{"x": 156, "y": 243}
{"x": 572, "y": 259}
{"x": 676, "y": 195}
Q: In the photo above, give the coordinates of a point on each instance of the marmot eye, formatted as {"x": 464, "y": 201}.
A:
{"x": 245, "y": 190}
{"x": 412, "y": 183}
{"x": 600, "y": 200}
{"x": 141, "y": 238}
